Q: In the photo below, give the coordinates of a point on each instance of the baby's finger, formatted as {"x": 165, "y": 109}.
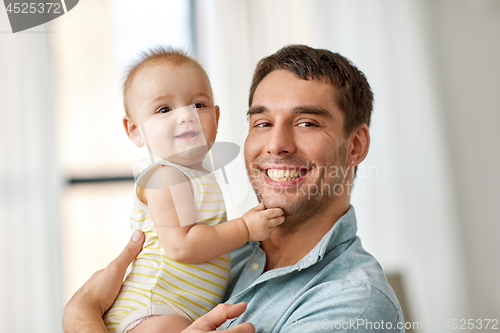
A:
{"x": 273, "y": 212}
{"x": 276, "y": 221}
{"x": 259, "y": 207}
{"x": 278, "y": 212}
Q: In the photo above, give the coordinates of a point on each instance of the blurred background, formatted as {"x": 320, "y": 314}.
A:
{"x": 426, "y": 197}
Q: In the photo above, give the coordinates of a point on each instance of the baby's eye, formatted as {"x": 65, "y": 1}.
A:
{"x": 199, "y": 106}
{"x": 164, "y": 109}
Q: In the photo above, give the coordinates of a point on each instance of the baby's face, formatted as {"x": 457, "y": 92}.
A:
{"x": 174, "y": 112}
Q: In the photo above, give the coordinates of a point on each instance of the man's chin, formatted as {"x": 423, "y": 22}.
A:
{"x": 273, "y": 203}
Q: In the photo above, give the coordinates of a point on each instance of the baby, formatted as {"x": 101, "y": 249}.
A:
{"x": 183, "y": 269}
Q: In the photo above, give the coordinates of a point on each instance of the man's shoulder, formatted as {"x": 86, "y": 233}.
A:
{"x": 355, "y": 269}
{"x": 351, "y": 285}
{"x": 345, "y": 306}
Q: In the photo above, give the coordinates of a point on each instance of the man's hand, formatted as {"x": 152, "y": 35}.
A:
{"x": 84, "y": 311}
{"x": 261, "y": 221}
{"x": 213, "y": 319}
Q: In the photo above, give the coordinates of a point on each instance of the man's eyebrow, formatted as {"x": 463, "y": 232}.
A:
{"x": 315, "y": 110}
{"x": 256, "y": 110}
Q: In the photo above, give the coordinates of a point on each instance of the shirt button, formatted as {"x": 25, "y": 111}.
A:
{"x": 255, "y": 266}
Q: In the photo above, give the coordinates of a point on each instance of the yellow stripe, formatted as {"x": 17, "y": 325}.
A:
{"x": 188, "y": 265}
{"x": 209, "y": 184}
{"x": 125, "y": 306}
{"x": 112, "y": 323}
{"x": 156, "y": 284}
{"x": 224, "y": 259}
{"x": 133, "y": 291}
{"x": 137, "y": 212}
{"x": 141, "y": 282}
{"x": 201, "y": 269}
{"x": 210, "y": 210}
{"x": 130, "y": 299}
{"x": 196, "y": 276}
{"x": 211, "y": 263}
{"x": 153, "y": 248}
{"x": 184, "y": 298}
{"x": 181, "y": 305}
{"x": 151, "y": 267}
{"x": 115, "y": 315}
{"x": 213, "y": 218}
{"x": 149, "y": 254}
{"x": 144, "y": 219}
{"x": 187, "y": 282}
{"x": 175, "y": 276}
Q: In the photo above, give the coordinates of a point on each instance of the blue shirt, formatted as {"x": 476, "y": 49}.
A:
{"x": 338, "y": 286}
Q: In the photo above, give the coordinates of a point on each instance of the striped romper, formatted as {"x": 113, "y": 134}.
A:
{"x": 158, "y": 285}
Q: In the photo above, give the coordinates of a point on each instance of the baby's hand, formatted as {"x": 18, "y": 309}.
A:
{"x": 261, "y": 221}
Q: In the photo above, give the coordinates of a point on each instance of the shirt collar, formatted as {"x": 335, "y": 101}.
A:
{"x": 342, "y": 231}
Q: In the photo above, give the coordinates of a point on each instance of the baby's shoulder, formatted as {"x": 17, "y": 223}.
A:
{"x": 160, "y": 176}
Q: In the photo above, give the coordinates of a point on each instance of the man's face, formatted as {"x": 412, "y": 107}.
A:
{"x": 296, "y": 148}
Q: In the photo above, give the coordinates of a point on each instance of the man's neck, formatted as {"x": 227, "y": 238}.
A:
{"x": 285, "y": 248}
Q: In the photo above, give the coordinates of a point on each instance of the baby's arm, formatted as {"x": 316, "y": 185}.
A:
{"x": 173, "y": 212}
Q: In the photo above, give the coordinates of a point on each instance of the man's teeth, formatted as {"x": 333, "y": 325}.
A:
{"x": 283, "y": 175}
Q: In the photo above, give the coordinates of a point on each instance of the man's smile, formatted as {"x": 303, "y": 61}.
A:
{"x": 284, "y": 175}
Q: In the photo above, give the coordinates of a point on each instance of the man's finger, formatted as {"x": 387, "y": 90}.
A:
{"x": 241, "y": 328}
{"x": 218, "y": 316}
{"x": 131, "y": 251}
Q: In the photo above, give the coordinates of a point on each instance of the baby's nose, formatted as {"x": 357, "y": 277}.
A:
{"x": 187, "y": 114}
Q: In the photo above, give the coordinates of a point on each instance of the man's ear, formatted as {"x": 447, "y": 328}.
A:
{"x": 133, "y": 132}
{"x": 360, "y": 142}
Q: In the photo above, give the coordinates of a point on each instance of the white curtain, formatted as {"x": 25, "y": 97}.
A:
{"x": 405, "y": 207}
{"x": 30, "y": 276}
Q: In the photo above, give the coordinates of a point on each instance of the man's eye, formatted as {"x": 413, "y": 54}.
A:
{"x": 164, "y": 109}
{"x": 263, "y": 125}
{"x": 306, "y": 124}
{"x": 199, "y": 106}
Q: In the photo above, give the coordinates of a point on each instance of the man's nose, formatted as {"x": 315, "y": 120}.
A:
{"x": 186, "y": 114}
{"x": 281, "y": 141}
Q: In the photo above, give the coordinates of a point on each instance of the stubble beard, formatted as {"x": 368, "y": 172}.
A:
{"x": 307, "y": 204}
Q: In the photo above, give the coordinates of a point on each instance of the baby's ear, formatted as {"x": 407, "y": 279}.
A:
{"x": 217, "y": 114}
{"x": 133, "y": 132}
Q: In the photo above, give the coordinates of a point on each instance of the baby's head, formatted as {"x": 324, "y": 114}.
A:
{"x": 169, "y": 107}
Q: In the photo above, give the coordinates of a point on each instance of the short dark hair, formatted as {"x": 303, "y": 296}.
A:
{"x": 354, "y": 96}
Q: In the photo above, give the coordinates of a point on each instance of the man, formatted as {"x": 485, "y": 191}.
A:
{"x": 309, "y": 115}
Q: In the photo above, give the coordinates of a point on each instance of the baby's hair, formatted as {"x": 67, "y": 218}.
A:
{"x": 151, "y": 56}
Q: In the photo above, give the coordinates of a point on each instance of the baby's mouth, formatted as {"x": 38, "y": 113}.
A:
{"x": 187, "y": 135}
